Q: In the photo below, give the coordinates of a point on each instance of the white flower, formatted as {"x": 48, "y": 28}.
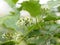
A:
{"x": 24, "y": 13}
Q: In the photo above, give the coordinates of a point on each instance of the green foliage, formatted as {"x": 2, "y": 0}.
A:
{"x": 11, "y": 22}
{"x": 33, "y": 7}
{"x": 43, "y": 30}
{"x": 8, "y": 43}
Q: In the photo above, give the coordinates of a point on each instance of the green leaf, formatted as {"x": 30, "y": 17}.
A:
{"x": 11, "y": 2}
{"x": 38, "y": 40}
{"x": 48, "y": 18}
{"x": 11, "y": 22}
{"x": 8, "y": 43}
{"x": 34, "y": 33}
{"x": 51, "y": 16}
{"x": 33, "y": 7}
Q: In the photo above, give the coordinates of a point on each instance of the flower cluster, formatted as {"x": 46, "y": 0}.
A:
{"x": 26, "y": 21}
